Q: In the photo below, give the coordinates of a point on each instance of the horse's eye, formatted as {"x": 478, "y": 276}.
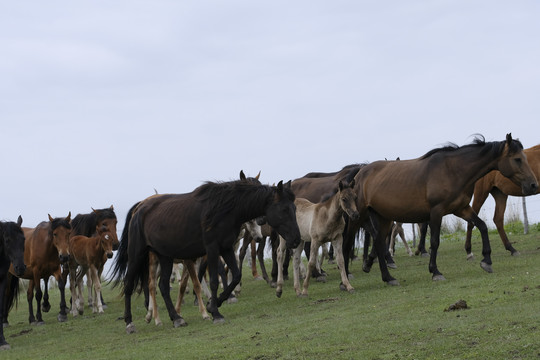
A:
{"x": 518, "y": 160}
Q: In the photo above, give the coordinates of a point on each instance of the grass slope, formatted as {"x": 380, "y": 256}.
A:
{"x": 376, "y": 322}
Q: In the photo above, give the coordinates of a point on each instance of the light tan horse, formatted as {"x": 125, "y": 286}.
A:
{"x": 500, "y": 188}
{"x": 319, "y": 223}
{"x": 427, "y": 188}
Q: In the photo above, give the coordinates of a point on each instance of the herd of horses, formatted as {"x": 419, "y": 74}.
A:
{"x": 318, "y": 208}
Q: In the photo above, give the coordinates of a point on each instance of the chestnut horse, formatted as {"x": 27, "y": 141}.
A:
{"x": 320, "y": 223}
{"x": 11, "y": 252}
{"x": 500, "y": 188}
{"x": 45, "y": 250}
{"x": 90, "y": 254}
{"x": 427, "y": 188}
{"x": 188, "y": 226}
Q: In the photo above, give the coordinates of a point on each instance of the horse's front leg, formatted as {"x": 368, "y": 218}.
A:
{"x": 345, "y": 284}
{"x": 152, "y": 279}
{"x": 380, "y": 245}
{"x": 61, "y": 279}
{"x": 260, "y": 256}
{"x": 97, "y": 306}
{"x": 229, "y": 257}
{"x": 46, "y": 305}
{"x": 166, "y": 264}
{"x": 212, "y": 259}
{"x": 280, "y": 258}
{"x": 30, "y": 299}
{"x": 190, "y": 267}
{"x": 73, "y": 289}
{"x": 421, "y": 250}
{"x": 297, "y": 258}
{"x": 469, "y": 215}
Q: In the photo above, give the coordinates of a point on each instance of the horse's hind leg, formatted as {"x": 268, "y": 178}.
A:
{"x": 498, "y": 219}
{"x": 229, "y": 257}
{"x": 183, "y": 280}
{"x": 190, "y": 265}
{"x": 280, "y": 257}
{"x": 421, "y": 250}
{"x": 260, "y": 256}
{"x": 166, "y": 264}
{"x": 97, "y": 306}
{"x": 345, "y": 284}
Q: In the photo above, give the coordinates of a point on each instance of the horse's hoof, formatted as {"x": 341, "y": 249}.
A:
{"x": 350, "y": 276}
{"x": 438, "y": 277}
{"x": 179, "y": 322}
{"x": 81, "y": 312}
{"x": 62, "y": 318}
{"x": 159, "y": 323}
{"x": 279, "y": 293}
{"x": 39, "y": 323}
{"x": 147, "y": 319}
{"x": 45, "y": 308}
{"x": 130, "y": 328}
{"x": 470, "y": 256}
{"x": 302, "y": 295}
{"x": 219, "y": 320}
{"x": 425, "y": 254}
{"x": 351, "y": 291}
{"x": 366, "y": 268}
{"x": 342, "y": 287}
{"x": 392, "y": 265}
{"x": 5, "y": 347}
{"x": 486, "y": 267}
{"x": 232, "y": 300}
{"x": 273, "y": 284}
{"x": 516, "y": 253}
{"x": 321, "y": 278}
{"x": 393, "y": 282}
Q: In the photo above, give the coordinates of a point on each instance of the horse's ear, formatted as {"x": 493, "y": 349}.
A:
{"x": 508, "y": 138}
{"x": 68, "y": 218}
{"x": 288, "y": 184}
{"x": 19, "y": 220}
{"x": 280, "y": 186}
{"x": 94, "y": 210}
{"x": 50, "y": 218}
{"x": 340, "y": 185}
{"x": 112, "y": 207}
{"x": 398, "y": 159}
{"x": 242, "y": 175}
{"x": 258, "y": 175}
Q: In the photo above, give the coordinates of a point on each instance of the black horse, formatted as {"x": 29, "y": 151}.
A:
{"x": 11, "y": 251}
{"x": 188, "y": 226}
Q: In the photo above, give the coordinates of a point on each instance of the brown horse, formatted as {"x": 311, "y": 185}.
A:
{"x": 500, "y": 188}
{"x": 90, "y": 254}
{"x": 320, "y": 223}
{"x": 45, "y": 250}
{"x": 440, "y": 182}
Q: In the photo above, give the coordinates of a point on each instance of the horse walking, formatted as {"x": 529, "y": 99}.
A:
{"x": 46, "y": 249}
{"x": 188, "y": 226}
{"x": 500, "y": 188}
{"x": 90, "y": 254}
{"x": 440, "y": 182}
{"x": 11, "y": 252}
{"x": 320, "y": 223}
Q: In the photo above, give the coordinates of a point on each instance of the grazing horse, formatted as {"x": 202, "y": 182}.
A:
{"x": 320, "y": 223}
{"x": 427, "y": 188}
{"x": 205, "y": 221}
{"x": 11, "y": 252}
{"x": 45, "y": 250}
{"x": 500, "y": 188}
{"x": 90, "y": 254}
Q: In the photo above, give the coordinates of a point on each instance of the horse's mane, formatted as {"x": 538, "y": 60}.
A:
{"x": 85, "y": 224}
{"x": 352, "y": 167}
{"x": 478, "y": 141}
{"x": 221, "y": 198}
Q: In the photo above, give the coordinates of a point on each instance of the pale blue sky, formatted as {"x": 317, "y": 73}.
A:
{"x": 101, "y": 102}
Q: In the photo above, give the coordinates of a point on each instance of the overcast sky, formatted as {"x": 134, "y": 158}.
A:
{"x": 103, "y": 101}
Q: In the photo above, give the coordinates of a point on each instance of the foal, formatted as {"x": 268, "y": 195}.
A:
{"x": 320, "y": 223}
{"x": 90, "y": 253}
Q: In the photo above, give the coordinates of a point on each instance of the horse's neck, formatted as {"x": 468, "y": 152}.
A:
{"x": 469, "y": 170}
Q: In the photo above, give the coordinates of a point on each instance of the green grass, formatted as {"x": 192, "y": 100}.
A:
{"x": 376, "y": 322}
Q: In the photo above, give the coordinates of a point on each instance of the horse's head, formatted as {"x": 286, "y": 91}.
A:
{"x": 254, "y": 229}
{"x": 281, "y": 214}
{"x": 109, "y": 224}
{"x": 60, "y": 231}
{"x": 347, "y": 199}
{"x": 106, "y": 237}
{"x": 13, "y": 244}
{"x": 254, "y": 180}
{"x": 513, "y": 164}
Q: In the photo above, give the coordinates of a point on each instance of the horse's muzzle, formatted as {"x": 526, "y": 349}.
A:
{"x": 63, "y": 258}
{"x": 110, "y": 255}
{"x": 530, "y": 189}
{"x": 19, "y": 269}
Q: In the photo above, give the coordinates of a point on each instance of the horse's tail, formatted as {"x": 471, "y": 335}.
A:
{"x": 12, "y": 294}
{"x": 119, "y": 268}
{"x": 136, "y": 279}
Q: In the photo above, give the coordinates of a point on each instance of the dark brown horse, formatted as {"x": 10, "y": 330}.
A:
{"x": 440, "y": 182}
{"x": 500, "y": 188}
{"x": 188, "y": 226}
{"x": 45, "y": 250}
{"x": 11, "y": 252}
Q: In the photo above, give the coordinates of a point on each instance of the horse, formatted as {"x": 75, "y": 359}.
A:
{"x": 500, "y": 188}
{"x": 438, "y": 183}
{"x": 319, "y": 223}
{"x": 252, "y": 234}
{"x": 204, "y": 221}
{"x": 397, "y": 229}
{"x": 11, "y": 252}
{"x": 86, "y": 224}
{"x": 90, "y": 254}
{"x": 45, "y": 250}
